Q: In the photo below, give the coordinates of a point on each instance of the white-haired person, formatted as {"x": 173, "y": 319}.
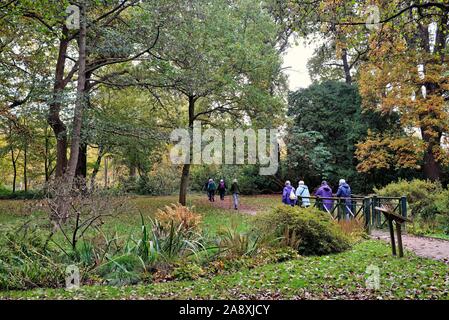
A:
{"x": 344, "y": 191}
{"x": 235, "y": 190}
{"x": 303, "y": 194}
{"x": 288, "y": 194}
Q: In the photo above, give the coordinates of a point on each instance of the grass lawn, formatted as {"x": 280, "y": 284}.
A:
{"x": 339, "y": 276}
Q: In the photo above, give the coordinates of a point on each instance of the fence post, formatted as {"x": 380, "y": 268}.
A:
{"x": 404, "y": 209}
{"x": 366, "y": 212}
{"x": 374, "y": 211}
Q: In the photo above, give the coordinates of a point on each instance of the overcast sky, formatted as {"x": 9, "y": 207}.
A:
{"x": 295, "y": 60}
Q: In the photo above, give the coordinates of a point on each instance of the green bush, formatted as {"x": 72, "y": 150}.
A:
{"x": 308, "y": 230}
{"x": 6, "y": 194}
{"x": 442, "y": 207}
{"x": 420, "y": 195}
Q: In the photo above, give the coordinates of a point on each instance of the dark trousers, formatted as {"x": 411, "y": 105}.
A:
{"x": 211, "y": 195}
{"x": 222, "y": 194}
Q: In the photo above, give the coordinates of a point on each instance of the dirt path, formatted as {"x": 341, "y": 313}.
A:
{"x": 227, "y": 204}
{"x": 424, "y": 247}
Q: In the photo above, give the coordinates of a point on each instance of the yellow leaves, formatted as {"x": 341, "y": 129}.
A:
{"x": 379, "y": 151}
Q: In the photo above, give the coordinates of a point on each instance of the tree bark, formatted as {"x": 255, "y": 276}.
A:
{"x": 14, "y": 166}
{"x": 186, "y": 167}
{"x": 81, "y": 166}
{"x": 80, "y": 97}
{"x": 53, "y": 118}
{"x": 346, "y": 67}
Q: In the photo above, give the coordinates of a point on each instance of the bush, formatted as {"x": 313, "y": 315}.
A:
{"x": 233, "y": 244}
{"x": 6, "y": 194}
{"x": 442, "y": 207}
{"x": 180, "y": 216}
{"x": 308, "y": 230}
{"x": 428, "y": 203}
{"x": 420, "y": 195}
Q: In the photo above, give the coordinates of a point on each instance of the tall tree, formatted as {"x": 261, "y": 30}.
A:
{"x": 221, "y": 58}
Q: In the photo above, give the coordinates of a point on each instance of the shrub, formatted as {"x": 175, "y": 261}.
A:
{"x": 308, "y": 230}
{"x": 234, "y": 244}
{"x": 180, "y": 216}
{"x": 442, "y": 207}
{"x": 122, "y": 270}
{"x": 420, "y": 195}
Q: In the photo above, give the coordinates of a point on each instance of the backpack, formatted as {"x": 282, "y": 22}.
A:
{"x": 292, "y": 194}
{"x": 222, "y": 185}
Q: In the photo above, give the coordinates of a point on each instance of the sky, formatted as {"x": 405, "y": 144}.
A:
{"x": 295, "y": 60}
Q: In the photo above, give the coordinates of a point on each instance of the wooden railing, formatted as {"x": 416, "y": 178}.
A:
{"x": 359, "y": 207}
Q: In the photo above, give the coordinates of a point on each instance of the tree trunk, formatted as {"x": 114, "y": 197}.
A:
{"x": 13, "y": 160}
{"x": 346, "y": 67}
{"x": 80, "y": 97}
{"x": 47, "y": 156}
{"x": 81, "y": 166}
{"x": 186, "y": 167}
{"x": 69, "y": 175}
{"x": 184, "y": 184}
{"x": 53, "y": 118}
{"x": 431, "y": 167}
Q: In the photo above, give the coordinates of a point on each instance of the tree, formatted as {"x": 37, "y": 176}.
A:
{"x": 327, "y": 123}
{"x": 221, "y": 58}
{"x": 406, "y": 73}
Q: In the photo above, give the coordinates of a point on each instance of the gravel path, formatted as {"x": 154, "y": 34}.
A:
{"x": 424, "y": 247}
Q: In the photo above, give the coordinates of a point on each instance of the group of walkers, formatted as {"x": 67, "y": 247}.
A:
{"x": 301, "y": 196}
{"x": 211, "y": 187}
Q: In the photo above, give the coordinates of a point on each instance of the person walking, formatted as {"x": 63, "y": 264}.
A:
{"x": 211, "y": 187}
{"x": 324, "y": 191}
{"x": 344, "y": 191}
{"x": 235, "y": 190}
{"x": 206, "y": 185}
{"x": 303, "y": 195}
{"x": 222, "y": 189}
{"x": 288, "y": 194}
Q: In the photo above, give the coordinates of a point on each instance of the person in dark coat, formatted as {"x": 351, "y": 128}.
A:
{"x": 211, "y": 187}
{"x": 344, "y": 191}
{"x": 222, "y": 189}
{"x": 235, "y": 190}
{"x": 324, "y": 191}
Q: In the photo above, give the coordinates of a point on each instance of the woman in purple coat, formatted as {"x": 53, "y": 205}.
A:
{"x": 325, "y": 192}
{"x": 288, "y": 189}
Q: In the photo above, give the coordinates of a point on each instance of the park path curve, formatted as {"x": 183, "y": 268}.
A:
{"x": 422, "y": 246}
